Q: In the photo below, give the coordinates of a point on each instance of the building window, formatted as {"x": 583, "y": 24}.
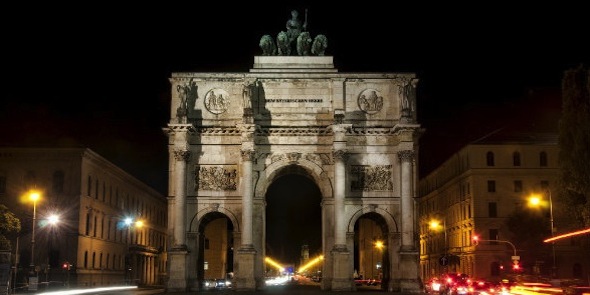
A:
{"x": 516, "y": 159}
{"x": 89, "y": 188}
{"x": 93, "y": 259}
{"x": 104, "y": 191}
{"x": 109, "y": 230}
{"x": 543, "y": 159}
{"x": 87, "y": 231}
{"x": 95, "y": 226}
{"x": 517, "y": 186}
{"x": 85, "y": 259}
{"x": 206, "y": 243}
{"x": 491, "y": 186}
{"x": 493, "y": 235}
{"x": 58, "y": 182}
{"x": 490, "y": 159}
{"x": 96, "y": 189}
{"x": 492, "y": 209}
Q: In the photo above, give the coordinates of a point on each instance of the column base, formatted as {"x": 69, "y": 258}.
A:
{"x": 342, "y": 276}
{"x": 408, "y": 280}
{"x": 177, "y": 272}
{"x": 244, "y": 275}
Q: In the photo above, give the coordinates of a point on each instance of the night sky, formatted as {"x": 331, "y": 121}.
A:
{"x": 97, "y": 75}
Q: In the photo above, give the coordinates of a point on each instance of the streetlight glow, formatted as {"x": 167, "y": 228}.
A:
{"x": 139, "y": 224}
{"x": 536, "y": 201}
{"x": 53, "y": 219}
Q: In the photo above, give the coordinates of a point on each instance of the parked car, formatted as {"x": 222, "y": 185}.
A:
{"x": 222, "y": 284}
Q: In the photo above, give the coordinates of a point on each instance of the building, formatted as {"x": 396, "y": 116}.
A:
{"x": 484, "y": 190}
{"x": 351, "y": 135}
{"x": 91, "y": 245}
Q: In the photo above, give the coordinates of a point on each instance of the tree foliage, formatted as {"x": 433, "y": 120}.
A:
{"x": 574, "y": 142}
{"x": 9, "y": 223}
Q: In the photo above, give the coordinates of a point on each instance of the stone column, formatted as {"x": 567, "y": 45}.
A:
{"x": 407, "y": 200}
{"x": 342, "y": 272}
{"x": 181, "y": 156}
{"x": 177, "y": 255}
{"x": 246, "y": 254}
{"x": 339, "y": 191}
{"x": 247, "y": 157}
{"x": 409, "y": 279}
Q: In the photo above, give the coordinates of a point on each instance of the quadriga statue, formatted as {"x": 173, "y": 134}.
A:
{"x": 304, "y": 43}
{"x": 267, "y": 45}
{"x": 318, "y": 47}
{"x": 283, "y": 44}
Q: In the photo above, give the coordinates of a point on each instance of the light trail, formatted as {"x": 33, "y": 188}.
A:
{"x": 311, "y": 263}
{"x": 274, "y": 263}
{"x": 575, "y": 233}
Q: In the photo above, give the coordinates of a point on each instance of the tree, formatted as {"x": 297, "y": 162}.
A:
{"x": 574, "y": 142}
{"x": 9, "y": 223}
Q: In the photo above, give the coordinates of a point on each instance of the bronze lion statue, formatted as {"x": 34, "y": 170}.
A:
{"x": 318, "y": 47}
{"x": 304, "y": 43}
{"x": 283, "y": 44}
{"x": 267, "y": 45}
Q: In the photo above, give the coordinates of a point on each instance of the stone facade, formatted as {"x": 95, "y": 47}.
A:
{"x": 353, "y": 134}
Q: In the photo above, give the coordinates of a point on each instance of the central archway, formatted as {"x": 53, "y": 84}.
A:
{"x": 293, "y": 222}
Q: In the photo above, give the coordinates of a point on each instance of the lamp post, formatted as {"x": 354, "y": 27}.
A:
{"x": 535, "y": 201}
{"x": 34, "y": 196}
{"x": 435, "y": 225}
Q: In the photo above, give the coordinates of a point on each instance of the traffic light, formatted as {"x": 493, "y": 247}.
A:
{"x": 516, "y": 266}
{"x": 475, "y": 240}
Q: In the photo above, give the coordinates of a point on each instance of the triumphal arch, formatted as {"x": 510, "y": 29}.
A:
{"x": 231, "y": 135}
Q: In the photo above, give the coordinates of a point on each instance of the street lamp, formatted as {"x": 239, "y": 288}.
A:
{"x": 129, "y": 224}
{"x": 435, "y": 225}
{"x": 536, "y": 201}
{"x": 33, "y": 196}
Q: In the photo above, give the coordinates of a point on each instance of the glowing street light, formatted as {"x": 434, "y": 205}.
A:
{"x": 436, "y": 225}
{"x": 536, "y": 201}
{"x": 33, "y": 196}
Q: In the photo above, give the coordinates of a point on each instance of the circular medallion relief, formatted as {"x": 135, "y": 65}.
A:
{"x": 370, "y": 101}
{"x": 216, "y": 101}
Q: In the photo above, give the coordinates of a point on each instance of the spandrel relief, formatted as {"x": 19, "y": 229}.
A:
{"x": 371, "y": 178}
{"x": 216, "y": 178}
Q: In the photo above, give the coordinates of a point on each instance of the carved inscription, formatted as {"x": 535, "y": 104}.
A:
{"x": 371, "y": 178}
{"x": 216, "y": 178}
{"x": 269, "y": 100}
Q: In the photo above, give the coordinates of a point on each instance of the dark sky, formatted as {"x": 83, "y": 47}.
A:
{"x": 98, "y": 75}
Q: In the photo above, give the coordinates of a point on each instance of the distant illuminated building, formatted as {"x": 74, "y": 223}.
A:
{"x": 476, "y": 191}
{"x": 93, "y": 198}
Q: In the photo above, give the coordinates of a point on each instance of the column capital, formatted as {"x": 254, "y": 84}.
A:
{"x": 247, "y": 155}
{"x": 340, "y": 155}
{"x": 182, "y": 155}
{"x": 407, "y": 155}
{"x": 340, "y": 128}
